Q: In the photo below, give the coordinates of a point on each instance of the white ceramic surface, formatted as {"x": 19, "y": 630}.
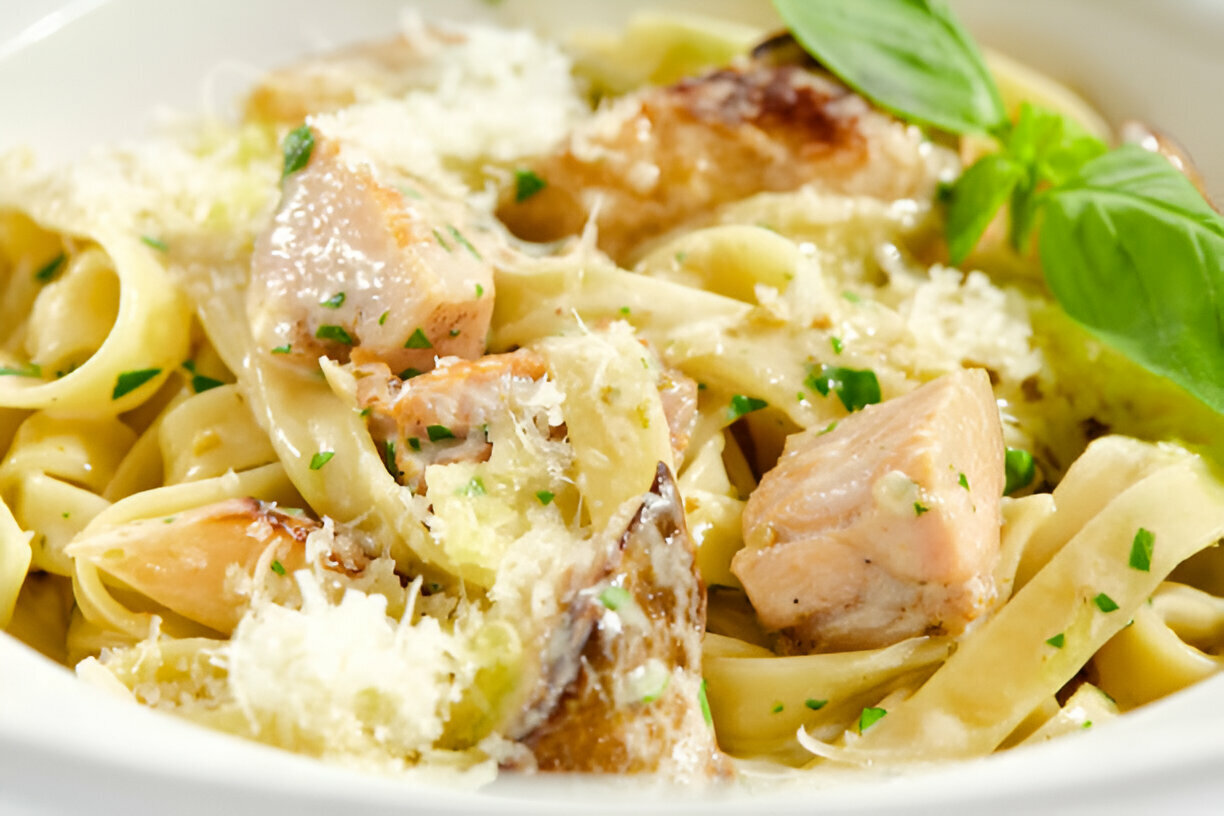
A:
{"x": 79, "y": 72}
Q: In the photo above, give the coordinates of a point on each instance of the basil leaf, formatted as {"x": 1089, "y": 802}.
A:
{"x": 974, "y": 200}
{"x": 910, "y": 57}
{"x": 1133, "y": 253}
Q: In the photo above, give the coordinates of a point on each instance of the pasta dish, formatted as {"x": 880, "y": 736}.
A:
{"x": 685, "y": 400}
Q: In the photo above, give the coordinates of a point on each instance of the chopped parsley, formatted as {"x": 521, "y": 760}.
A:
{"x": 1058, "y": 641}
{"x": 657, "y": 693}
{"x": 453, "y": 332}
{"x": 837, "y": 344}
{"x": 200, "y": 383}
{"x": 1141, "y": 550}
{"x": 1105, "y": 603}
{"x": 920, "y": 508}
{"x": 681, "y": 257}
{"x": 336, "y": 333}
{"x": 474, "y": 487}
{"x": 464, "y": 242}
{"x": 850, "y": 296}
{"x": 320, "y": 459}
{"x": 278, "y": 568}
{"x": 778, "y": 708}
{"x": 299, "y": 144}
{"x": 30, "y": 370}
{"x": 366, "y": 411}
{"x": 615, "y": 597}
{"x": 155, "y": 243}
{"x": 704, "y": 700}
{"x": 51, "y": 269}
{"x": 382, "y": 318}
{"x": 545, "y": 497}
{"x": 479, "y": 291}
{"x": 439, "y": 432}
{"x": 333, "y": 302}
{"x": 389, "y": 458}
{"x": 410, "y": 372}
{"x": 526, "y": 184}
{"x": 414, "y": 443}
{"x": 285, "y": 349}
{"x": 1019, "y": 469}
{"x": 438, "y": 236}
{"x": 129, "y": 381}
{"x": 418, "y": 340}
{"x": 815, "y": 705}
{"x": 828, "y": 428}
{"x": 870, "y": 717}
{"x": 855, "y": 388}
{"x": 962, "y": 480}
{"x": 741, "y": 405}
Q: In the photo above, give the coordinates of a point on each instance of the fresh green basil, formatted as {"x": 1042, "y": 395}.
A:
{"x": 910, "y": 57}
{"x": 1133, "y": 253}
{"x": 975, "y": 198}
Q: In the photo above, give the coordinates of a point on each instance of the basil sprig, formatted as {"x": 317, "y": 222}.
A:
{"x": 1129, "y": 247}
{"x": 910, "y": 57}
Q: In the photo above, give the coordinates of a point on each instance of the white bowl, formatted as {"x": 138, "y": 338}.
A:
{"x": 77, "y": 72}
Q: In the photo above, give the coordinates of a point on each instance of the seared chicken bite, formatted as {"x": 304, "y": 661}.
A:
{"x": 619, "y": 687}
{"x": 884, "y": 528}
{"x": 666, "y": 156}
{"x": 352, "y": 267}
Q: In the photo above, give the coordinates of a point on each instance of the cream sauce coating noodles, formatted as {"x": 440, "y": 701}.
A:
{"x": 606, "y": 406}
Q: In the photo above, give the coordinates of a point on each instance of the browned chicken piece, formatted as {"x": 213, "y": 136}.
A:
{"x": 352, "y": 267}
{"x": 462, "y": 396}
{"x": 884, "y": 528}
{"x": 621, "y": 689}
{"x": 195, "y": 563}
{"x": 327, "y": 83}
{"x": 666, "y": 156}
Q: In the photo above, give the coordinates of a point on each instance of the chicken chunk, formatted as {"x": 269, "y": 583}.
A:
{"x": 666, "y": 156}
{"x": 885, "y": 527}
{"x": 353, "y": 267}
{"x": 620, "y": 689}
{"x": 197, "y": 563}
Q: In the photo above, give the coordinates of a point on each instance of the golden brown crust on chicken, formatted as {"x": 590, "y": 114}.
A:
{"x": 666, "y": 156}
{"x": 633, "y": 705}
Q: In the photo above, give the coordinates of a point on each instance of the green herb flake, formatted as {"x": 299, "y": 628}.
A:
{"x": 441, "y": 240}
{"x": 418, "y": 340}
{"x": 278, "y": 568}
{"x": 155, "y": 243}
{"x": 545, "y": 497}
{"x": 526, "y": 184}
{"x": 1141, "y": 550}
{"x": 366, "y": 411}
{"x": 681, "y": 257}
{"x": 333, "y": 302}
{"x": 1087, "y": 723}
{"x": 382, "y": 318}
{"x": 28, "y": 370}
{"x": 854, "y": 387}
{"x": 389, "y": 458}
{"x": 129, "y": 381}
{"x": 1058, "y": 641}
{"x": 285, "y": 349}
{"x": 200, "y": 383}
{"x": 624, "y": 310}
{"x": 168, "y": 520}
{"x": 1019, "y": 470}
{"x": 1105, "y": 603}
{"x": 615, "y": 597}
{"x": 777, "y": 708}
{"x": 299, "y": 144}
{"x": 704, "y": 700}
{"x": 870, "y": 717}
{"x": 464, "y": 242}
{"x": 851, "y": 296}
{"x": 320, "y": 459}
{"x": 439, "y": 432}
{"x": 962, "y": 480}
{"x": 474, "y": 487}
{"x": 65, "y": 515}
{"x": 828, "y": 428}
{"x": 410, "y": 372}
{"x": 741, "y": 405}
{"x": 414, "y": 443}
{"x": 815, "y": 705}
{"x": 51, "y": 269}
{"x": 453, "y": 332}
{"x": 479, "y": 291}
{"x": 336, "y": 333}
{"x": 920, "y": 508}
{"x": 837, "y": 344}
